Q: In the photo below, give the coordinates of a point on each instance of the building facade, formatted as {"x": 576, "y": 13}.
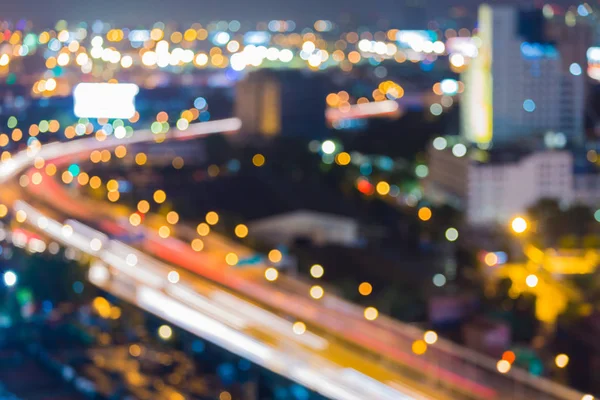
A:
{"x": 286, "y": 102}
{"x": 517, "y": 86}
{"x": 507, "y": 183}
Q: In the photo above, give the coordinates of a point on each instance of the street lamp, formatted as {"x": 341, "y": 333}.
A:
{"x": 519, "y": 225}
{"x": 531, "y": 280}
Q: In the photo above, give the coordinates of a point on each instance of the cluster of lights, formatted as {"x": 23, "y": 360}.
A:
{"x": 102, "y": 50}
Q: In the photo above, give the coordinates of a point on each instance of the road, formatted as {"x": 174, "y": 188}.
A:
{"x": 359, "y": 355}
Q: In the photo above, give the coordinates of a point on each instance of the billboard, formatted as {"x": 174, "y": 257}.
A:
{"x": 105, "y": 100}
{"x": 415, "y": 38}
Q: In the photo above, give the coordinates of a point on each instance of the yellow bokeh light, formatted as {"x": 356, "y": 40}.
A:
{"x": 164, "y": 231}
{"x": 519, "y": 225}
{"x": 271, "y": 274}
{"x": 39, "y": 163}
{"x": 159, "y": 196}
{"x": 115, "y": 313}
{"x": 143, "y": 206}
{"x": 430, "y": 337}
{"x": 67, "y": 177}
{"x": 17, "y": 134}
{"x": 165, "y": 332}
{"x": 50, "y": 169}
{"x": 531, "y": 280}
{"x": 113, "y": 196}
{"x": 172, "y": 217}
{"x": 190, "y": 35}
{"x": 95, "y": 182}
{"x": 299, "y": 328}
{"x": 83, "y": 179}
{"x": 258, "y": 160}
{"x": 24, "y": 180}
{"x": 490, "y": 259}
{"x": 503, "y": 366}
{"x": 120, "y": 151}
{"x": 105, "y": 155}
{"x": 135, "y": 350}
{"x": 141, "y": 158}
{"x": 102, "y": 306}
{"x": 3, "y": 210}
{"x": 275, "y": 256}
{"x": 241, "y": 231}
{"x": 21, "y": 216}
{"x": 317, "y": 271}
{"x": 95, "y": 156}
{"x": 212, "y": 217}
{"x": 343, "y": 158}
{"x": 365, "y": 288}
{"x": 223, "y": 396}
{"x": 203, "y": 229}
{"x": 561, "y": 360}
{"x": 419, "y": 347}
{"x": 135, "y": 219}
{"x": 112, "y": 185}
{"x": 371, "y": 313}
{"x": 197, "y": 244}
{"x": 424, "y": 213}
{"x": 316, "y": 292}
{"x": 383, "y": 188}
{"x": 231, "y": 259}
{"x": 354, "y": 57}
{"x": 156, "y": 34}
{"x": 36, "y": 178}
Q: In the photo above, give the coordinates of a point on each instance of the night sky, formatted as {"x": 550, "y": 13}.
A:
{"x": 134, "y": 12}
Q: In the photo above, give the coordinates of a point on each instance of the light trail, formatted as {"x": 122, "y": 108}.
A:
{"x": 146, "y": 272}
{"x": 181, "y": 305}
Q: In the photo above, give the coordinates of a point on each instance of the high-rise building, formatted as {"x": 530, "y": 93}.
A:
{"x": 572, "y": 40}
{"x": 516, "y": 88}
{"x": 289, "y": 102}
{"x": 257, "y": 104}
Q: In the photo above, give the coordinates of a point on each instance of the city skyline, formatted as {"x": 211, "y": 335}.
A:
{"x": 45, "y": 13}
{"x": 386, "y": 205}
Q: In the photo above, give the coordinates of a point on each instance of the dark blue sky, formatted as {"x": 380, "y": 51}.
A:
{"x": 142, "y": 12}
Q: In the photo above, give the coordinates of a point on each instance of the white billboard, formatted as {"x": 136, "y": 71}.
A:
{"x": 105, "y": 100}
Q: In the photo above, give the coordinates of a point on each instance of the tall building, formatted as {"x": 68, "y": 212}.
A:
{"x": 516, "y": 89}
{"x": 286, "y": 102}
{"x": 257, "y": 104}
{"x": 572, "y": 40}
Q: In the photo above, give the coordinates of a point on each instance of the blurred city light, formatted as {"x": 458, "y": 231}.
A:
{"x": 430, "y": 337}
{"x": 561, "y": 360}
{"x": 519, "y": 225}
{"x": 165, "y": 332}
{"x": 503, "y": 366}
{"x": 299, "y": 328}
{"x": 271, "y": 274}
{"x": 105, "y": 100}
{"x": 316, "y": 292}
{"x": 371, "y": 313}
{"x": 531, "y": 280}
{"x": 316, "y": 271}
{"x": 10, "y": 278}
{"x": 365, "y": 288}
